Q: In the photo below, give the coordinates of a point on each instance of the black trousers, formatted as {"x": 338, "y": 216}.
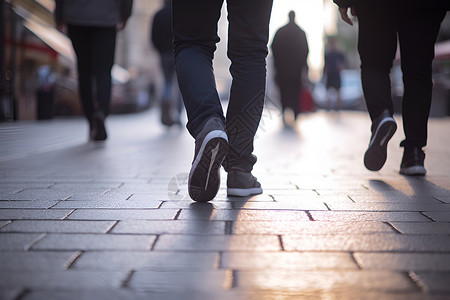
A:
{"x": 95, "y": 49}
{"x": 381, "y": 24}
{"x": 195, "y": 38}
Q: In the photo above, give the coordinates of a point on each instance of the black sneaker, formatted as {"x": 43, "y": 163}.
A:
{"x": 242, "y": 184}
{"x": 211, "y": 146}
{"x": 412, "y": 162}
{"x": 98, "y": 131}
{"x": 383, "y": 128}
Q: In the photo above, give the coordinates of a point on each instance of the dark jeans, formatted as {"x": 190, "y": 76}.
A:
{"x": 95, "y": 48}
{"x": 195, "y": 38}
{"x": 381, "y": 24}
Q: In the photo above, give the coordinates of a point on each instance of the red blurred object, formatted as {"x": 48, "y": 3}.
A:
{"x": 306, "y": 102}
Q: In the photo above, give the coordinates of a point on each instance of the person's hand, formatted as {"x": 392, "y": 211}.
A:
{"x": 121, "y": 25}
{"x": 344, "y": 14}
{"x": 61, "y": 26}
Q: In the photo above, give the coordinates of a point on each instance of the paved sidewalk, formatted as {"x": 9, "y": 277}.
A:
{"x": 112, "y": 220}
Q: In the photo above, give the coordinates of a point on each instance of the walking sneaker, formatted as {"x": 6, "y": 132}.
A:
{"x": 383, "y": 128}
{"x": 98, "y": 132}
{"x": 211, "y": 146}
{"x": 412, "y": 162}
{"x": 242, "y": 184}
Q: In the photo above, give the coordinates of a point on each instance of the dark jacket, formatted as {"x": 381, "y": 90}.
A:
{"x": 97, "y": 13}
{"x": 290, "y": 52}
{"x": 440, "y": 4}
{"x": 161, "y": 32}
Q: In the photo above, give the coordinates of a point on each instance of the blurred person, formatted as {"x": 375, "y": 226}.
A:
{"x": 92, "y": 26}
{"x": 334, "y": 62}
{"x": 162, "y": 37}
{"x": 415, "y": 25}
{"x": 220, "y": 140}
{"x": 290, "y": 53}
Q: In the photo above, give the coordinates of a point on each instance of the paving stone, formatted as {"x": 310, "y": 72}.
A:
{"x": 404, "y": 261}
{"x": 357, "y": 216}
{"x": 108, "y": 204}
{"x": 301, "y": 261}
{"x": 86, "y": 186}
{"x": 104, "y": 293}
{"x": 325, "y": 281}
{"x": 38, "y": 194}
{"x": 422, "y": 227}
{"x": 217, "y": 243}
{"x": 445, "y": 199}
{"x": 61, "y": 279}
{"x": 58, "y": 226}
{"x": 4, "y": 223}
{"x": 44, "y": 204}
{"x": 394, "y": 197}
{"x": 438, "y": 216}
{"x": 308, "y": 227}
{"x": 185, "y": 281}
{"x": 123, "y": 214}
{"x": 230, "y": 215}
{"x": 20, "y": 214}
{"x": 95, "y": 242}
{"x": 187, "y": 204}
{"x": 369, "y": 242}
{"x": 162, "y": 261}
{"x": 403, "y": 206}
{"x": 18, "y": 241}
{"x": 298, "y": 205}
{"x": 96, "y": 196}
{"x": 433, "y": 282}
{"x": 36, "y": 260}
{"x": 10, "y": 294}
{"x": 169, "y": 227}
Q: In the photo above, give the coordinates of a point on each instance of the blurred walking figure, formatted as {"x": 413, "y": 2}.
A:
{"x": 219, "y": 139}
{"x": 415, "y": 24}
{"x": 334, "y": 63}
{"x": 162, "y": 39}
{"x": 92, "y": 27}
{"x": 290, "y": 53}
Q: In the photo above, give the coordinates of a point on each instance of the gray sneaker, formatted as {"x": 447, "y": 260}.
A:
{"x": 242, "y": 184}
{"x": 211, "y": 146}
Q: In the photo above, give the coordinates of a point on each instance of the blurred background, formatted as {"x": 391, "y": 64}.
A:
{"x": 38, "y": 71}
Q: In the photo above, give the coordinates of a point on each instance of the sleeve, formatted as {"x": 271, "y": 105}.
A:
{"x": 343, "y": 3}
{"x": 126, "y": 9}
{"x": 58, "y": 11}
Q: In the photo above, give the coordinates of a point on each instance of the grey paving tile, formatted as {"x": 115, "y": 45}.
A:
{"x": 61, "y": 279}
{"x": 367, "y": 242}
{"x": 187, "y": 281}
{"x": 356, "y": 216}
{"x": 104, "y": 293}
{"x": 445, "y": 199}
{"x": 169, "y": 227}
{"x": 86, "y": 186}
{"x": 301, "y": 261}
{"x": 433, "y": 282}
{"x": 124, "y": 214}
{"x": 403, "y": 206}
{"x": 108, "y": 204}
{"x": 422, "y": 227}
{"x": 95, "y": 242}
{"x": 217, "y": 243}
{"x": 43, "y": 204}
{"x": 187, "y": 204}
{"x": 438, "y": 216}
{"x": 404, "y": 261}
{"x": 326, "y": 281}
{"x": 10, "y": 294}
{"x": 3, "y": 224}
{"x": 58, "y": 226}
{"x": 21, "y": 214}
{"x": 36, "y": 260}
{"x": 38, "y": 194}
{"x": 282, "y": 205}
{"x": 96, "y": 196}
{"x": 18, "y": 241}
{"x": 394, "y": 198}
{"x": 120, "y": 260}
{"x": 230, "y": 215}
{"x": 308, "y": 227}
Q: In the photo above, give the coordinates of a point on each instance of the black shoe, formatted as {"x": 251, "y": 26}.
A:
{"x": 383, "y": 128}
{"x": 412, "y": 162}
{"x": 242, "y": 184}
{"x": 211, "y": 147}
{"x": 98, "y": 130}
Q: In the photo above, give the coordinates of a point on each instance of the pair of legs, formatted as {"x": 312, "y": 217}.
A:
{"x": 95, "y": 49}
{"x": 171, "y": 102}
{"x": 289, "y": 94}
{"x": 195, "y": 38}
{"x": 383, "y": 23}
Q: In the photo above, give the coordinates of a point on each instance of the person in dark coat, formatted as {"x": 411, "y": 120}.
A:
{"x": 162, "y": 40}
{"x": 92, "y": 26}
{"x": 415, "y": 26}
{"x": 290, "y": 52}
{"x": 334, "y": 62}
